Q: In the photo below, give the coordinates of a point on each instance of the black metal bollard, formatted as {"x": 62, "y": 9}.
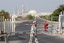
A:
{"x": 6, "y": 38}
{"x": 2, "y": 37}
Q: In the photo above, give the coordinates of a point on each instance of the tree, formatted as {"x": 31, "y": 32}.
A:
{"x": 61, "y": 7}
{"x": 5, "y": 14}
{"x": 30, "y": 17}
{"x": 57, "y": 11}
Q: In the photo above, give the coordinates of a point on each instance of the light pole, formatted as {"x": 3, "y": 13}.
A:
{"x": 35, "y": 17}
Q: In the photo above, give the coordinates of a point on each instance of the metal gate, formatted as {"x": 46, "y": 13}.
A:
{"x": 7, "y": 28}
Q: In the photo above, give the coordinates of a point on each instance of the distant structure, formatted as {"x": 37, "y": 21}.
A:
{"x": 23, "y": 9}
{"x": 31, "y": 12}
{"x": 34, "y": 12}
{"x": 16, "y": 13}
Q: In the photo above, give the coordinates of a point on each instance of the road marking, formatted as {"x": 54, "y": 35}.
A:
{"x": 31, "y": 24}
{"x": 26, "y": 24}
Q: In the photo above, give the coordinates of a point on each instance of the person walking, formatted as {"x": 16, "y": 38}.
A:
{"x": 45, "y": 26}
{"x": 33, "y": 33}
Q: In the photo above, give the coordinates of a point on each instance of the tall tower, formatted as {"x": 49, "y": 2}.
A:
{"x": 23, "y": 9}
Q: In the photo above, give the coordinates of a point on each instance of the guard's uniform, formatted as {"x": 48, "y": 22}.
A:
{"x": 33, "y": 30}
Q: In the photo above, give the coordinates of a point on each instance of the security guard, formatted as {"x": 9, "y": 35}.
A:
{"x": 33, "y": 34}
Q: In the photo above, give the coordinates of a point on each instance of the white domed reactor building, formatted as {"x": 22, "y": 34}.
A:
{"x": 32, "y": 12}
{"x": 36, "y": 13}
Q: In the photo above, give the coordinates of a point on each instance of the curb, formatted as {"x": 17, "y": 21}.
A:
{"x": 58, "y": 35}
{"x": 48, "y": 20}
{"x": 22, "y": 21}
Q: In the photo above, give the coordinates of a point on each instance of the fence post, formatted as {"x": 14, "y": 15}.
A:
{"x": 10, "y": 25}
{"x": 13, "y": 25}
{"x": 4, "y": 26}
{"x": 51, "y": 25}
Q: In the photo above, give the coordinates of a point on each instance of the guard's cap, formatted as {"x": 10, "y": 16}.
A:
{"x": 34, "y": 21}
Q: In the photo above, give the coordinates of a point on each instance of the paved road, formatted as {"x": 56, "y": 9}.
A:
{"x": 24, "y": 30}
{"x": 27, "y": 25}
{"x": 43, "y": 38}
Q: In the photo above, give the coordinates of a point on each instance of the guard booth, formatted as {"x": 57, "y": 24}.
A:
{"x": 61, "y": 22}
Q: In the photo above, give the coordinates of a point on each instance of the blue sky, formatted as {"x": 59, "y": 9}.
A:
{"x": 39, "y": 5}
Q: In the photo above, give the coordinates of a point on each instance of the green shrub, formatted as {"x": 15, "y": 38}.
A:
{"x": 30, "y": 17}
